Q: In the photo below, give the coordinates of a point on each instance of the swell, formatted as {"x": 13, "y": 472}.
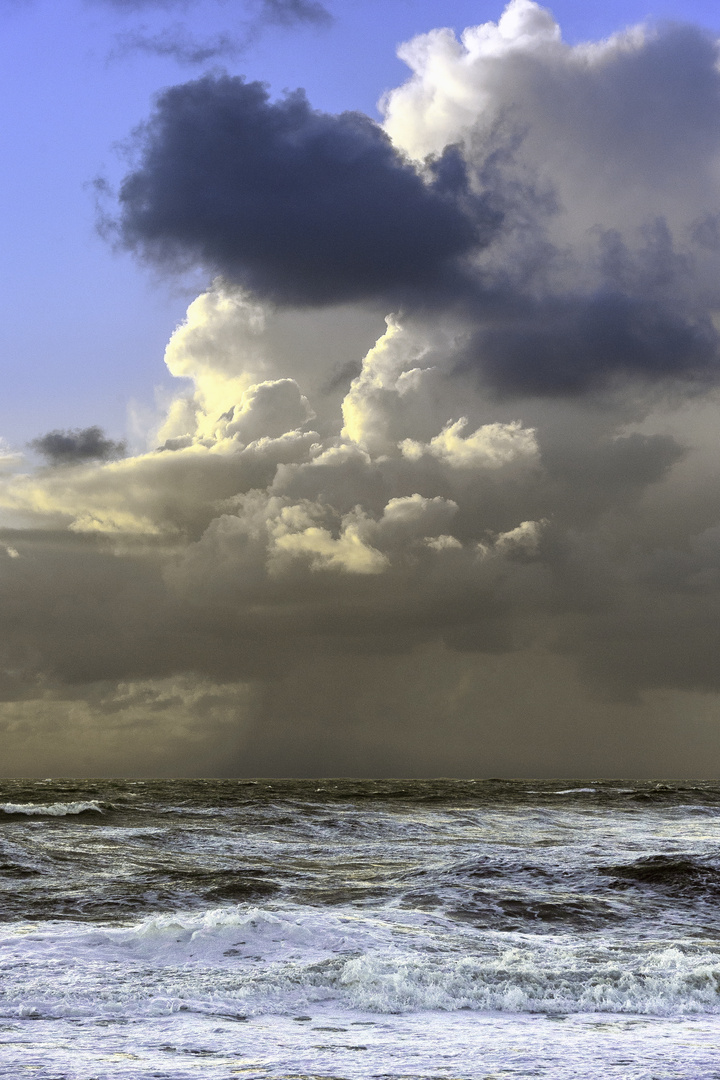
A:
{"x": 681, "y": 875}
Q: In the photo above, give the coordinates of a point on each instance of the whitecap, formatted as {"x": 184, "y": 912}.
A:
{"x": 56, "y": 809}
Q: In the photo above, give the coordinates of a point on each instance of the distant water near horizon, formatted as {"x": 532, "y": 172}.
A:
{"x": 347, "y": 929}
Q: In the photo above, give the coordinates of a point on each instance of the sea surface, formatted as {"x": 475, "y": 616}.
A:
{"x": 440, "y": 929}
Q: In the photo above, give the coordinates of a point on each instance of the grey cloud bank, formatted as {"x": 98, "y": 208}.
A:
{"x": 482, "y": 537}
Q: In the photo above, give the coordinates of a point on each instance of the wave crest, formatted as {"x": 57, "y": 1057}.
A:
{"x": 56, "y": 809}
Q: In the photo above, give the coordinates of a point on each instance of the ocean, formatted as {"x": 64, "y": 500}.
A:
{"x": 435, "y": 929}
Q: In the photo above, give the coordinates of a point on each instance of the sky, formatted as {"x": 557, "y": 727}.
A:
{"x": 360, "y": 367}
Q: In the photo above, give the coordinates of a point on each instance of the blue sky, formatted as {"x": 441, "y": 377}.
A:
{"x": 84, "y": 328}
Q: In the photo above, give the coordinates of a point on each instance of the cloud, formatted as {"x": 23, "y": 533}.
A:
{"x": 481, "y": 536}
{"x": 300, "y": 206}
{"x": 490, "y": 446}
{"x": 277, "y": 537}
{"x": 167, "y": 727}
{"x": 180, "y": 43}
{"x": 281, "y": 12}
{"x": 290, "y": 12}
{"x": 9, "y": 459}
{"x": 380, "y": 525}
{"x": 601, "y": 158}
{"x": 557, "y": 200}
{"x": 72, "y": 447}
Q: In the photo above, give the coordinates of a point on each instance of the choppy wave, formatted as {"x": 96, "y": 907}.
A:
{"x": 684, "y": 875}
{"x": 236, "y": 961}
{"x": 243, "y": 899}
{"x": 56, "y": 809}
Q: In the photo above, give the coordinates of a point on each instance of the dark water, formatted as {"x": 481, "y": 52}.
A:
{"x": 578, "y": 921}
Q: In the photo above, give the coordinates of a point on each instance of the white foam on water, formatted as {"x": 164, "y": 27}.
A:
{"x": 555, "y": 980}
{"x": 56, "y": 809}
{"x": 257, "y": 961}
{"x": 407, "y": 984}
{"x": 330, "y": 1043}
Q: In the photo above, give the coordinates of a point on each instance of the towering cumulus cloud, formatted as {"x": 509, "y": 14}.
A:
{"x": 480, "y": 536}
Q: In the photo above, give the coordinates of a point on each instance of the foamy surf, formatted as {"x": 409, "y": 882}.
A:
{"x": 330, "y": 1044}
{"x": 256, "y": 962}
{"x": 56, "y": 809}
{"x": 352, "y": 929}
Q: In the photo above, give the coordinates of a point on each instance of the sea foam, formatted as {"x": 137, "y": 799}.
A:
{"x": 56, "y": 809}
{"x": 255, "y": 961}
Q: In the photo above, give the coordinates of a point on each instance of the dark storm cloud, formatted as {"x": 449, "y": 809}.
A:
{"x": 79, "y": 445}
{"x": 648, "y": 320}
{"x": 405, "y": 595}
{"x": 560, "y": 293}
{"x": 577, "y": 344}
{"x": 300, "y": 206}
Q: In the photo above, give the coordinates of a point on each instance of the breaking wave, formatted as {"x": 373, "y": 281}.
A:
{"x": 56, "y": 809}
{"x": 236, "y": 961}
